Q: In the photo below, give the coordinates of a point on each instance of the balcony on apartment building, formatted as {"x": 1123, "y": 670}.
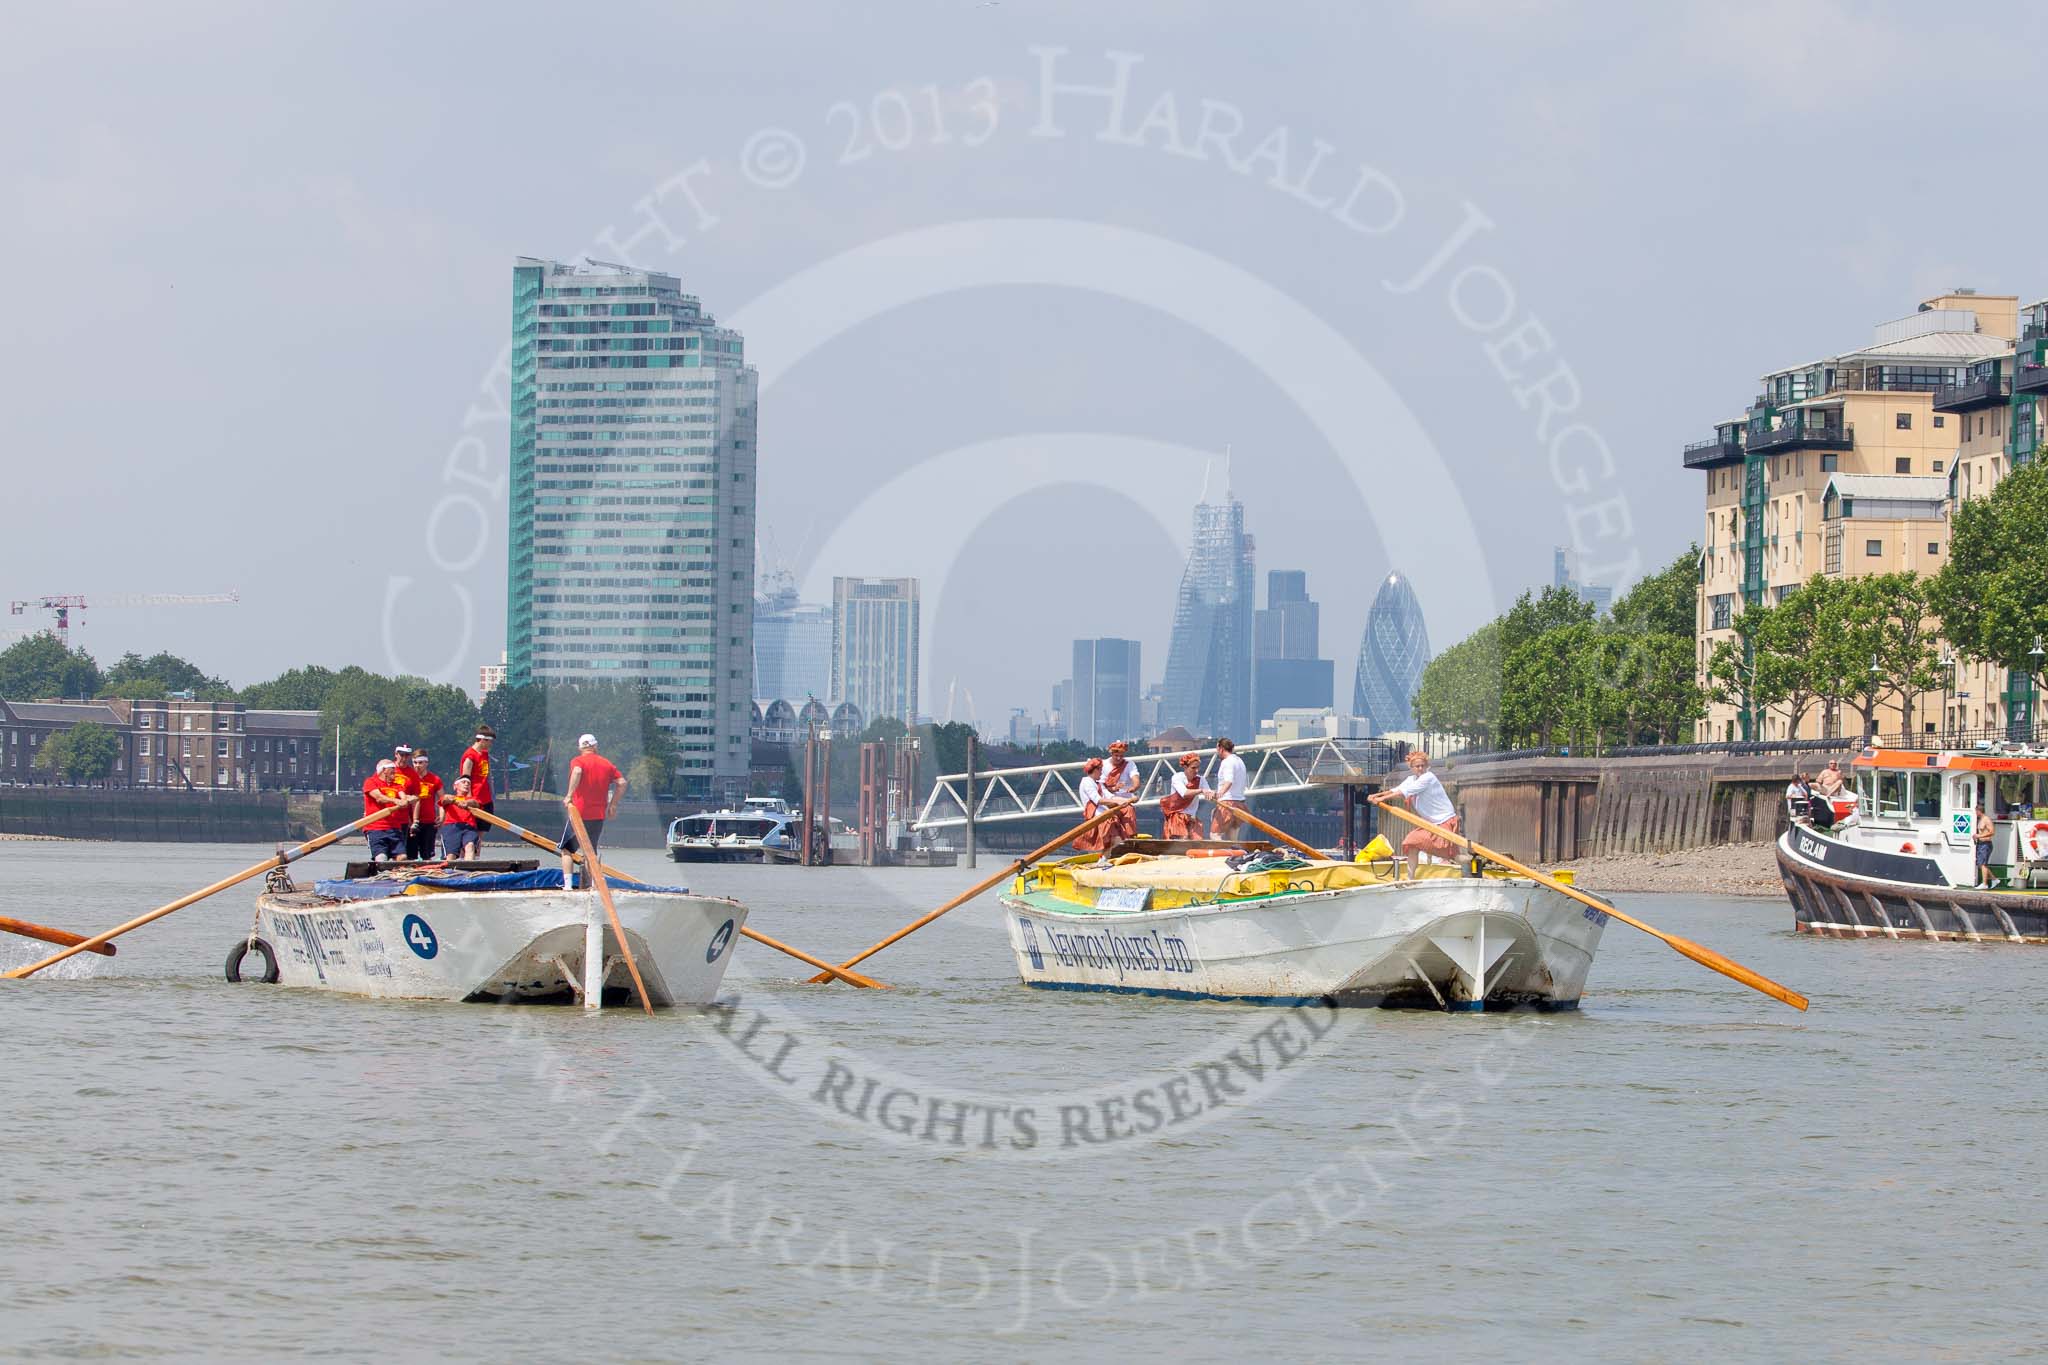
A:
{"x": 1723, "y": 448}
{"x": 1803, "y": 429}
{"x": 2031, "y": 380}
{"x": 1985, "y": 389}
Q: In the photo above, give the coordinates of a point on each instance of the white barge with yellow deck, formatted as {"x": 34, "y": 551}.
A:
{"x": 1270, "y": 929}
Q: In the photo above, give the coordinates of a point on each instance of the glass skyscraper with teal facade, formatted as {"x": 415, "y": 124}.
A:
{"x": 633, "y": 472}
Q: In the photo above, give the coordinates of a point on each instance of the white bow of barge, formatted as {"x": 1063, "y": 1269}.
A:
{"x": 507, "y": 932}
{"x": 1199, "y": 928}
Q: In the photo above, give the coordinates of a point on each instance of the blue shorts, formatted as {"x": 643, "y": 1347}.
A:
{"x": 386, "y": 843}
{"x": 453, "y": 837}
{"x": 1984, "y": 855}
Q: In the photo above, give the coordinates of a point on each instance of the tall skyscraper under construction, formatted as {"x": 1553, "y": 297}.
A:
{"x": 1209, "y": 658}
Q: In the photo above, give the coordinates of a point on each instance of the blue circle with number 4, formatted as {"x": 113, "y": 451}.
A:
{"x": 718, "y": 942}
{"x": 419, "y": 937}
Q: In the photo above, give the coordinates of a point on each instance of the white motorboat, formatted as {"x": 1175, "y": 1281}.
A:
{"x": 505, "y": 933}
{"x": 1272, "y": 929}
{"x": 765, "y": 829}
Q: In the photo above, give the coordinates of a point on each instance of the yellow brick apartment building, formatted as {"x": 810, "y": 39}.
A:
{"x": 1850, "y": 465}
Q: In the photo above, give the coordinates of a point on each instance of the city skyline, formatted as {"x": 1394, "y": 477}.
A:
{"x": 409, "y": 271}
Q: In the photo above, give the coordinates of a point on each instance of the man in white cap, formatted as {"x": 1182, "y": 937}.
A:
{"x": 595, "y": 787}
{"x": 386, "y": 837}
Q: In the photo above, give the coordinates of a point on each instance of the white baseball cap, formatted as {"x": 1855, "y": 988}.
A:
{"x": 582, "y": 740}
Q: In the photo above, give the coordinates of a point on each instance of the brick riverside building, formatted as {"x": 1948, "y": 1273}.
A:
{"x": 176, "y": 743}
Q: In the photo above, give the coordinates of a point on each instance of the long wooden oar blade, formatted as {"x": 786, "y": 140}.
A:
{"x": 1727, "y": 967}
{"x": 540, "y": 841}
{"x": 63, "y": 938}
{"x": 277, "y": 860}
{"x": 852, "y": 978}
{"x": 965, "y": 896}
{"x": 604, "y": 898}
{"x": 1706, "y": 957}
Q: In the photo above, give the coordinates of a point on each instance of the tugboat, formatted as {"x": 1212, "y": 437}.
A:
{"x": 1905, "y": 864}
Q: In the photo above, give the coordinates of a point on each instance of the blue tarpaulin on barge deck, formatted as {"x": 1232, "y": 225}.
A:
{"x": 542, "y": 879}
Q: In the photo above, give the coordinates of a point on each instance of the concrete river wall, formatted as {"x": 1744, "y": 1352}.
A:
{"x": 1557, "y": 809}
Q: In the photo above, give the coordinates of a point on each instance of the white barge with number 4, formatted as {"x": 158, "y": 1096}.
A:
{"x": 503, "y": 931}
{"x": 1272, "y": 929}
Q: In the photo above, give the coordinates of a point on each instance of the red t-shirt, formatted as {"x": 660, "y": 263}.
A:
{"x": 454, "y": 813}
{"x": 592, "y": 792}
{"x": 429, "y": 808}
{"x": 394, "y": 816}
{"x": 476, "y": 766}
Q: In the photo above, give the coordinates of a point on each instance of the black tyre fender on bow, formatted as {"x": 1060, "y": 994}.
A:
{"x": 243, "y": 947}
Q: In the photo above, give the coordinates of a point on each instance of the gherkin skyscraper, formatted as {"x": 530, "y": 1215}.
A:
{"x": 1391, "y": 656}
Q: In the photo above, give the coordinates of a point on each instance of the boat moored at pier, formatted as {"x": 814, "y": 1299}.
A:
{"x": 765, "y": 829}
{"x": 1268, "y": 928}
{"x": 1907, "y": 864}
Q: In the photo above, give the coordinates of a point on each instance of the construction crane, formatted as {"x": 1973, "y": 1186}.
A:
{"x": 63, "y": 605}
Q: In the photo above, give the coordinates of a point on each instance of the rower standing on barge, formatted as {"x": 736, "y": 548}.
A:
{"x": 1176, "y": 822}
{"x": 595, "y": 786}
{"x": 476, "y": 766}
{"x": 1231, "y": 784}
{"x": 1120, "y": 789}
{"x": 423, "y": 839}
{"x": 1423, "y": 790}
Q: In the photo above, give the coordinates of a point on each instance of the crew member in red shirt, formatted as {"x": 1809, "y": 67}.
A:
{"x": 458, "y": 822}
{"x": 426, "y": 816}
{"x": 476, "y": 766}
{"x": 386, "y": 836}
{"x": 406, "y": 783}
{"x": 595, "y": 787}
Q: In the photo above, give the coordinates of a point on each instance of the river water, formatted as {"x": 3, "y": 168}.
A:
{"x": 1682, "y": 1169}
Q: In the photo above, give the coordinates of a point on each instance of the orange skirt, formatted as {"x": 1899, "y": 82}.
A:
{"x": 1095, "y": 840}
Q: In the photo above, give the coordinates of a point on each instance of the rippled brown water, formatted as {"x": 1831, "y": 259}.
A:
{"x": 1682, "y": 1169}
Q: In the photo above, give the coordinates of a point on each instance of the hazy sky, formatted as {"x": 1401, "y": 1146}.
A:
{"x": 1453, "y": 282}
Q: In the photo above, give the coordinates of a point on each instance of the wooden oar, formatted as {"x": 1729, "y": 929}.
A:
{"x": 1706, "y": 957}
{"x": 604, "y": 898}
{"x": 965, "y": 896}
{"x": 62, "y": 937}
{"x": 542, "y": 841}
{"x": 1282, "y": 835}
{"x": 276, "y": 860}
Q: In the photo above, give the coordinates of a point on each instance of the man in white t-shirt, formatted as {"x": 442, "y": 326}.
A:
{"x": 1231, "y": 785}
{"x": 1425, "y": 792}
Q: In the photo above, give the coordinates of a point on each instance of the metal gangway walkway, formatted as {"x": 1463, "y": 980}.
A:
{"x": 1275, "y": 766}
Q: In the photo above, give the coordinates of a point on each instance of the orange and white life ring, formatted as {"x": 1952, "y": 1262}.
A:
{"x": 2036, "y": 838}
